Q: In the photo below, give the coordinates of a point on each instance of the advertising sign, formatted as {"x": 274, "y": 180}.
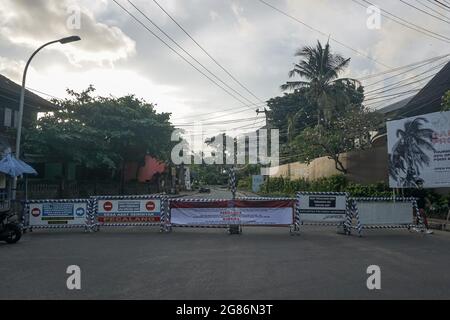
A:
{"x": 419, "y": 151}
{"x": 227, "y": 212}
{"x": 322, "y": 207}
{"x": 129, "y": 210}
{"x": 58, "y": 213}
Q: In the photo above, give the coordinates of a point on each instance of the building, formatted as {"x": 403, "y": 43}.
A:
{"x": 9, "y": 109}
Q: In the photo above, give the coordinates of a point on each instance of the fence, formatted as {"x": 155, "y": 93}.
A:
{"x": 137, "y": 210}
{"x": 385, "y": 213}
{"x": 319, "y": 209}
{"x": 323, "y": 209}
{"x": 63, "y": 213}
{"x": 37, "y": 190}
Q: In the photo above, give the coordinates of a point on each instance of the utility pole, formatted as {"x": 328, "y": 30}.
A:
{"x": 265, "y": 111}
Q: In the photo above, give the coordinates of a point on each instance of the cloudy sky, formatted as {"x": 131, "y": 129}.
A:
{"x": 252, "y": 41}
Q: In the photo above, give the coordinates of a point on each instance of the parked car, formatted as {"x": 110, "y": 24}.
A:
{"x": 204, "y": 190}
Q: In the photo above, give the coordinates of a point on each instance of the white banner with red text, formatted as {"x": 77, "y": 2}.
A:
{"x": 229, "y": 212}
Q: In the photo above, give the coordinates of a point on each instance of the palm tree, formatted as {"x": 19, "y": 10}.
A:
{"x": 408, "y": 153}
{"x": 321, "y": 68}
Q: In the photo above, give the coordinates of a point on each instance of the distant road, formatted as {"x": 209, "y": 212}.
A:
{"x": 218, "y": 192}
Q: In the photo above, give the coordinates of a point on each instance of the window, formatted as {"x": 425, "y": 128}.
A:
{"x": 8, "y": 115}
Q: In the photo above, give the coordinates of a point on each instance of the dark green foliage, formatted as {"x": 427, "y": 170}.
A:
{"x": 101, "y": 132}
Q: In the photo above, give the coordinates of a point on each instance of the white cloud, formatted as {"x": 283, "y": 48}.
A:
{"x": 32, "y": 23}
{"x": 12, "y": 69}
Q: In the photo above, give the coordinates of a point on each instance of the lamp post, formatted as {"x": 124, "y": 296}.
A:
{"x": 22, "y": 98}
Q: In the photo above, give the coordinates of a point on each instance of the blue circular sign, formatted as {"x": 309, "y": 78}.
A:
{"x": 79, "y": 212}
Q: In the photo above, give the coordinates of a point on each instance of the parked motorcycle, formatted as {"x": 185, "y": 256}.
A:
{"x": 10, "y": 231}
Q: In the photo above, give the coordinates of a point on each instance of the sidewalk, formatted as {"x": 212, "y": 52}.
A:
{"x": 439, "y": 224}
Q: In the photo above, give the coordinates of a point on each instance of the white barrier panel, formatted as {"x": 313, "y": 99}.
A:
{"x": 382, "y": 213}
{"x": 64, "y": 213}
{"x": 196, "y": 212}
{"x": 128, "y": 210}
{"x": 322, "y": 207}
{"x": 385, "y": 213}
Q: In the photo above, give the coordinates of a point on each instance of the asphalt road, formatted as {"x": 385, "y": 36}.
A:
{"x": 262, "y": 263}
{"x": 218, "y": 193}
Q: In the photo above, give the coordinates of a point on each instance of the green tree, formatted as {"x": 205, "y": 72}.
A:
{"x": 101, "y": 132}
{"x": 320, "y": 69}
{"x": 349, "y": 131}
{"x": 291, "y": 113}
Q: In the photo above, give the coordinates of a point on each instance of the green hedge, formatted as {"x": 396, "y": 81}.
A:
{"x": 338, "y": 183}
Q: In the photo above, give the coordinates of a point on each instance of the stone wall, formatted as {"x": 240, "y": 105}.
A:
{"x": 367, "y": 166}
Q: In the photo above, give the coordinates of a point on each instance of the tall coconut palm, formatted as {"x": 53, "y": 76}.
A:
{"x": 320, "y": 69}
{"x": 409, "y": 151}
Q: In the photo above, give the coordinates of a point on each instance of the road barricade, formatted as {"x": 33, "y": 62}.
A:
{"x": 226, "y": 213}
{"x": 385, "y": 213}
{"x": 123, "y": 211}
{"x": 57, "y": 214}
{"x": 323, "y": 209}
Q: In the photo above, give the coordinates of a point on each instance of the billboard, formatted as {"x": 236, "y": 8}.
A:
{"x": 419, "y": 151}
{"x": 110, "y": 210}
{"x": 324, "y": 208}
{"x": 58, "y": 213}
{"x": 229, "y": 212}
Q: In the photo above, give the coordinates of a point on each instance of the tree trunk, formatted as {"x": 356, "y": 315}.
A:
{"x": 122, "y": 178}
{"x": 338, "y": 164}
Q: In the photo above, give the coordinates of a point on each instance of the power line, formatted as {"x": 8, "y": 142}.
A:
{"x": 215, "y": 112}
{"x": 186, "y": 52}
{"x": 442, "y": 4}
{"x": 177, "y": 53}
{"x": 390, "y": 95}
{"x": 432, "y": 9}
{"x": 406, "y": 79}
{"x": 217, "y": 116}
{"x": 407, "y": 24}
{"x": 409, "y": 67}
{"x": 427, "y": 13}
{"x": 324, "y": 34}
{"x": 192, "y": 124}
{"x": 404, "y": 72}
{"x": 375, "y": 75}
{"x": 207, "y": 53}
{"x": 217, "y": 131}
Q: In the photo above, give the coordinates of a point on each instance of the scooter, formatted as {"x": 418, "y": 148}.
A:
{"x": 10, "y": 231}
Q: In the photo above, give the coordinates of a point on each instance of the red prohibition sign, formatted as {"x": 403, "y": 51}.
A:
{"x": 35, "y": 212}
{"x": 150, "y": 206}
{"x": 108, "y": 206}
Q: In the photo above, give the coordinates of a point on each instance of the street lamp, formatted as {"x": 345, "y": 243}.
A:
{"x": 22, "y": 97}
